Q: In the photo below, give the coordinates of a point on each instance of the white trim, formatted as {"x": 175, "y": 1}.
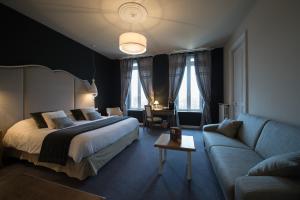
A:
{"x": 242, "y": 40}
{"x": 42, "y": 66}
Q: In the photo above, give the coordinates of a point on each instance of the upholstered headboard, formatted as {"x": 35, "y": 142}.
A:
{"x": 34, "y": 88}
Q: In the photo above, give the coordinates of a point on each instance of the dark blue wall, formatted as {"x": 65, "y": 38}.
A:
{"x": 161, "y": 78}
{"x": 217, "y": 83}
{"x": 25, "y": 41}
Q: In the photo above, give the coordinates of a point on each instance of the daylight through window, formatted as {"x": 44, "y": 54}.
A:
{"x": 136, "y": 96}
{"x": 189, "y": 97}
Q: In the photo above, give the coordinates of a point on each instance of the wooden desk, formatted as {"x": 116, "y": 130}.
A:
{"x": 170, "y": 114}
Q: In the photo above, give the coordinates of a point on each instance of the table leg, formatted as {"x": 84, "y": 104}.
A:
{"x": 161, "y": 161}
{"x": 165, "y": 155}
{"x": 189, "y": 165}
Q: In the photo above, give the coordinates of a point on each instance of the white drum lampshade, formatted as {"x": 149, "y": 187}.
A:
{"x": 132, "y": 43}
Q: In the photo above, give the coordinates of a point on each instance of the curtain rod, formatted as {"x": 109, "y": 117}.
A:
{"x": 169, "y": 53}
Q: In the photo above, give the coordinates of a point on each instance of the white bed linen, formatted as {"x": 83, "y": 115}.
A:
{"x": 25, "y": 136}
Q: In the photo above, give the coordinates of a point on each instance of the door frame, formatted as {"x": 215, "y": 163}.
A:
{"x": 241, "y": 40}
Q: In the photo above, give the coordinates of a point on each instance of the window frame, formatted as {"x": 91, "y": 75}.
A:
{"x": 189, "y": 63}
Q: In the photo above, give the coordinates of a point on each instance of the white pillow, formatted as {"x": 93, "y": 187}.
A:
{"x": 48, "y": 116}
{"x": 85, "y": 111}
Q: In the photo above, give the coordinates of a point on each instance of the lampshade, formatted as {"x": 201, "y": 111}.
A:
{"x": 132, "y": 43}
{"x": 156, "y": 102}
{"x": 93, "y": 89}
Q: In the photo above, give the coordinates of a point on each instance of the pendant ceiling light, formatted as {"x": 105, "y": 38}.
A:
{"x": 93, "y": 88}
{"x": 130, "y": 42}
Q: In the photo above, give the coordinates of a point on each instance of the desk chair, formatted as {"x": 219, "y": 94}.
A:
{"x": 149, "y": 118}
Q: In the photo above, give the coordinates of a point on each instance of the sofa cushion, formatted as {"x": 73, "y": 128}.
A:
{"x": 217, "y": 139}
{"x": 251, "y": 128}
{"x": 278, "y": 138}
{"x": 266, "y": 187}
{"x": 229, "y": 127}
{"x": 285, "y": 165}
{"x": 230, "y": 163}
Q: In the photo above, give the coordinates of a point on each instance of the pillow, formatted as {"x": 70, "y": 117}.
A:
{"x": 93, "y": 115}
{"x": 62, "y": 122}
{"x": 78, "y": 115}
{"x": 85, "y": 111}
{"x": 39, "y": 120}
{"x": 229, "y": 127}
{"x": 48, "y": 116}
{"x": 71, "y": 116}
{"x": 286, "y": 165}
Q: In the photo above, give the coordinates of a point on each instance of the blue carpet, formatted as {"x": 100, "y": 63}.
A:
{"x": 133, "y": 174}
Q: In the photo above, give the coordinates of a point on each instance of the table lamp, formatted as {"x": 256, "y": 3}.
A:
{"x": 155, "y": 104}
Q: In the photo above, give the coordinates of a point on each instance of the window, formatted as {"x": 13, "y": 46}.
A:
{"x": 136, "y": 97}
{"x": 189, "y": 97}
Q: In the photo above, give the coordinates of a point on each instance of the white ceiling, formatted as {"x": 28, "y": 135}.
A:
{"x": 171, "y": 25}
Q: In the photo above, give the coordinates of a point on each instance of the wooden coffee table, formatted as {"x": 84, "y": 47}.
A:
{"x": 187, "y": 144}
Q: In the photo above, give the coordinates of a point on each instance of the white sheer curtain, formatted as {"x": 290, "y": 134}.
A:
{"x": 126, "y": 72}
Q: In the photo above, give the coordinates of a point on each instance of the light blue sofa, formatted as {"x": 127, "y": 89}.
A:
{"x": 257, "y": 139}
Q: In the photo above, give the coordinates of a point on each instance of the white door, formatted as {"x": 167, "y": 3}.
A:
{"x": 239, "y": 98}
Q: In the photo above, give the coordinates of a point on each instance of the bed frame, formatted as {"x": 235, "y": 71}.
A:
{"x": 34, "y": 88}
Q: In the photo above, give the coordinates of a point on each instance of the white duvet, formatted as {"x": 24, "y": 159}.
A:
{"x": 25, "y": 136}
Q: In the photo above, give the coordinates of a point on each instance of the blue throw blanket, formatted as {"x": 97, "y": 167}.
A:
{"x": 55, "y": 147}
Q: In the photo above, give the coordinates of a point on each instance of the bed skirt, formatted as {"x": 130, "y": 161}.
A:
{"x": 89, "y": 166}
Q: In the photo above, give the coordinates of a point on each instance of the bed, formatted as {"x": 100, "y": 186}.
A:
{"x": 23, "y": 90}
{"x": 88, "y": 151}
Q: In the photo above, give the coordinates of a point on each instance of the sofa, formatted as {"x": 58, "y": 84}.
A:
{"x": 257, "y": 139}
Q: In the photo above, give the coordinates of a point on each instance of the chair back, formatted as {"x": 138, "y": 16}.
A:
{"x": 148, "y": 111}
{"x": 114, "y": 111}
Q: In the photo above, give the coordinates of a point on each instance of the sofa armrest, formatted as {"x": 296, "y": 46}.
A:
{"x": 266, "y": 187}
{"x": 210, "y": 127}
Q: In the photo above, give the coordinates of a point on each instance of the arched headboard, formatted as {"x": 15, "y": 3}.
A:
{"x": 34, "y": 88}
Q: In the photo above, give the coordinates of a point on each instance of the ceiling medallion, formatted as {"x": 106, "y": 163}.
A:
{"x": 130, "y": 42}
{"x": 132, "y": 12}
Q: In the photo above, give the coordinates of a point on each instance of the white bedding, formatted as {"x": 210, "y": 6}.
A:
{"x": 25, "y": 136}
